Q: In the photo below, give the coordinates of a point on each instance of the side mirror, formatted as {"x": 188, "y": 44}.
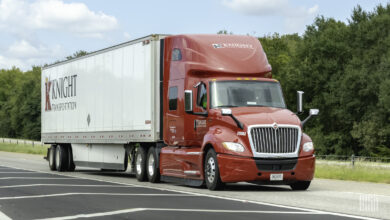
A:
{"x": 300, "y": 102}
{"x": 188, "y": 101}
{"x": 312, "y": 112}
{"x": 226, "y": 112}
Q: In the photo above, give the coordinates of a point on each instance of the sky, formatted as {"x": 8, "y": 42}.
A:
{"x": 38, "y": 32}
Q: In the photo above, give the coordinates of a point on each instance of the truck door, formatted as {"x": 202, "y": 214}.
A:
{"x": 200, "y": 122}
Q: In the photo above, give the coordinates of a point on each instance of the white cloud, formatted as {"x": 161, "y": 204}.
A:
{"x": 294, "y": 17}
{"x": 23, "y": 55}
{"x": 25, "y": 21}
{"x": 22, "y": 15}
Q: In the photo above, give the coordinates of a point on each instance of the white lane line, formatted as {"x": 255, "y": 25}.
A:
{"x": 36, "y": 178}
{"x": 66, "y": 185}
{"x": 125, "y": 211}
{"x": 4, "y": 216}
{"x": 20, "y": 172}
{"x": 156, "y": 187}
{"x": 94, "y": 194}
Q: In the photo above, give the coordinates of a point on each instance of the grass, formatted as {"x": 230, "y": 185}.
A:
{"x": 360, "y": 172}
{"x": 21, "y": 148}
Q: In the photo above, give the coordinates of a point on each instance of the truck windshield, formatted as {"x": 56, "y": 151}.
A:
{"x": 246, "y": 93}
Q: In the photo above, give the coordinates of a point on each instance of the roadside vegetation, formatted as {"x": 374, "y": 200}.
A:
{"x": 21, "y": 148}
{"x": 359, "y": 172}
{"x": 343, "y": 68}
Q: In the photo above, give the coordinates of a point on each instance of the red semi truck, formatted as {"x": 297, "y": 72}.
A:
{"x": 194, "y": 109}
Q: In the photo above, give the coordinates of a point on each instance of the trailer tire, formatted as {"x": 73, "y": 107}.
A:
{"x": 152, "y": 170}
{"x": 61, "y": 159}
{"x": 300, "y": 185}
{"x": 52, "y": 157}
{"x": 211, "y": 171}
{"x": 71, "y": 165}
{"x": 140, "y": 164}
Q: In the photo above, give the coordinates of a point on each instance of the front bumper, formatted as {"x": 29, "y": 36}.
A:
{"x": 242, "y": 169}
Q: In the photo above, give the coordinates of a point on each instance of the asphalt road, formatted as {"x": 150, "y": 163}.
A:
{"x": 28, "y": 190}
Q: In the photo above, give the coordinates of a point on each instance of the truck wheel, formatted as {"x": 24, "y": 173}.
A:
{"x": 211, "y": 171}
{"x": 52, "y": 157}
{"x": 152, "y": 170}
{"x": 140, "y": 164}
{"x": 71, "y": 165}
{"x": 61, "y": 160}
{"x": 300, "y": 185}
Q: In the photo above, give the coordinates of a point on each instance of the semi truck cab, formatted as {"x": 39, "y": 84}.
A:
{"x": 225, "y": 118}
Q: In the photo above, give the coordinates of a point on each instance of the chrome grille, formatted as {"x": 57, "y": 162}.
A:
{"x": 270, "y": 140}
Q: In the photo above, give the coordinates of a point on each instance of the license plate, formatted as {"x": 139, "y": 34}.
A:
{"x": 276, "y": 176}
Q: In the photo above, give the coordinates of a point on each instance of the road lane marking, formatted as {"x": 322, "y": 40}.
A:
{"x": 95, "y": 194}
{"x": 37, "y": 178}
{"x": 68, "y": 185}
{"x": 126, "y": 211}
{"x": 4, "y": 216}
{"x": 156, "y": 187}
{"x": 20, "y": 172}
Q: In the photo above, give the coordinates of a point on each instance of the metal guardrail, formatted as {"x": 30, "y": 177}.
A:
{"x": 21, "y": 141}
{"x": 353, "y": 160}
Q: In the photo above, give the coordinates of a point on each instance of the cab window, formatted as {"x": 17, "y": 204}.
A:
{"x": 173, "y": 98}
{"x": 202, "y": 96}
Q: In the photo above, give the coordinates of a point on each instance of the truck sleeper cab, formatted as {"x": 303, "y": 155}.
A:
{"x": 218, "y": 117}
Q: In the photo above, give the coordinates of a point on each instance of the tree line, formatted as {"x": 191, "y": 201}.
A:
{"x": 343, "y": 68}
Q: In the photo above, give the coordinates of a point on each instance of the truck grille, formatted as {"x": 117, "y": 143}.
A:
{"x": 270, "y": 140}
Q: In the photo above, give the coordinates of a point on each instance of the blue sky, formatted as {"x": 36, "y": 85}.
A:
{"x": 35, "y": 32}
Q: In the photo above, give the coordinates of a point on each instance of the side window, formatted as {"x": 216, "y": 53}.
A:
{"x": 176, "y": 54}
{"x": 202, "y": 96}
{"x": 173, "y": 98}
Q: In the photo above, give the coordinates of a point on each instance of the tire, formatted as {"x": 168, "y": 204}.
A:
{"x": 152, "y": 170}
{"x": 61, "y": 160}
{"x": 211, "y": 171}
{"x": 300, "y": 185}
{"x": 140, "y": 164}
{"x": 71, "y": 165}
{"x": 126, "y": 162}
{"x": 52, "y": 162}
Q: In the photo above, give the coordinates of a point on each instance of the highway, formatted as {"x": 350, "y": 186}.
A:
{"x": 29, "y": 190}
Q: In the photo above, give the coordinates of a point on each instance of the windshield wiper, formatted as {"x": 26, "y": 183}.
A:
{"x": 224, "y": 106}
{"x": 258, "y": 106}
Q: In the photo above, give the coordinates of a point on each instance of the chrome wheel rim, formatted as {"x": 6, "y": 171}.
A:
{"x": 138, "y": 163}
{"x": 57, "y": 157}
{"x": 210, "y": 170}
{"x": 51, "y": 157}
{"x": 151, "y": 165}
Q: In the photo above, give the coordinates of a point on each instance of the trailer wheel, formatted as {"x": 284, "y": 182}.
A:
{"x": 152, "y": 170}
{"x": 140, "y": 164}
{"x": 61, "y": 158}
{"x": 300, "y": 185}
{"x": 71, "y": 165}
{"x": 211, "y": 171}
{"x": 52, "y": 157}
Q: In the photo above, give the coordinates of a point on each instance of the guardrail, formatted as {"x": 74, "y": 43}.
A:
{"x": 21, "y": 141}
{"x": 353, "y": 160}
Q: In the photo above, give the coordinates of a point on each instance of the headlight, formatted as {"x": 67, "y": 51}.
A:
{"x": 233, "y": 146}
{"x": 308, "y": 147}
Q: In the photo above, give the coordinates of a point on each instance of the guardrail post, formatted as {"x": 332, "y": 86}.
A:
{"x": 353, "y": 160}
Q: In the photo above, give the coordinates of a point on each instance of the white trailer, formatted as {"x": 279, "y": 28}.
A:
{"x": 96, "y": 104}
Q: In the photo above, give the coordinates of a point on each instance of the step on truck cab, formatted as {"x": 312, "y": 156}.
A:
{"x": 194, "y": 109}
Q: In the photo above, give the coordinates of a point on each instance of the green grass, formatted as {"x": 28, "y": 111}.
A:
{"x": 21, "y": 148}
{"x": 362, "y": 172}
